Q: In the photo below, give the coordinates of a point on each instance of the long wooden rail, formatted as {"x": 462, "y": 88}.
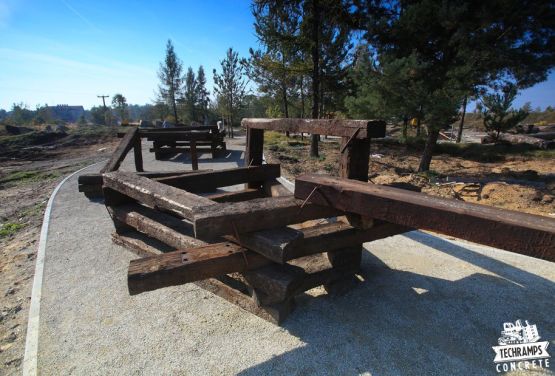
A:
{"x": 518, "y": 232}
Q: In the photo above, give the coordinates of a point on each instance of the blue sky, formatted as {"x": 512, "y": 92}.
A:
{"x": 68, "y": 52}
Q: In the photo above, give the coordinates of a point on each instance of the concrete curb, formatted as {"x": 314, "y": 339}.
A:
{"x": 32, "y": 339}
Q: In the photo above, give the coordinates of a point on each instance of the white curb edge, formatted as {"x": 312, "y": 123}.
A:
{"x": 32, "y": 339}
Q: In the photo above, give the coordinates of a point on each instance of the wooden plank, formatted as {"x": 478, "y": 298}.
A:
{"x": 121, "y": 151}
{"x": 523, "y": 233}
{"x": 96, "y": 179}
{"x": 155, "y": 194}
{"x": 157, "y": 225}
{"x": 206, "y": 182}
{"x": 189, "y": 265}
{"x": 178, "y": 136}
{"x": 284, "y": 244}
{"x": 253, "y": 215}
{"x": 329, "y": 127}
{"x": 235, "y": 196}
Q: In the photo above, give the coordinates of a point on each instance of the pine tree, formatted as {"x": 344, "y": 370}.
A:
{"x": 498, "y": 115}
{"x": 171, "y": 79}
{"x": 455, "y": 47}
{"x": 190, "y": 92}
{"x": 119, "y": 102}
{"x": 202, "y": 95}
{"x": 230, "y": 86}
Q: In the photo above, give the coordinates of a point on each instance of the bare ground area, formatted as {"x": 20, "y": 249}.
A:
{"x": 510, "y": 177}
{"x": 25, "y": 186}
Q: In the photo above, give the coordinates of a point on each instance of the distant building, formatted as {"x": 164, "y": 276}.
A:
{"x": 70, "y": 114}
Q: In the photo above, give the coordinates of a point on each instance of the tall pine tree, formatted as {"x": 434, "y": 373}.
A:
{"x": 171, "y": 79}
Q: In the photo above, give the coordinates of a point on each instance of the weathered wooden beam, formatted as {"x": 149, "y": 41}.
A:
{"x": 254, "y": 147}
{"x": 157, "y": 225}
{"x": 121, "y": 151}
{"x": 235, "y": 196}
{"x": 329, "y": 127}
{"x": 253, "y": 215}
{"x": 523, "y": 233}
{"x": 178, "y": 136}
{"x": 155, "y": 194}
{"x": 284, "y": 244}
{"x": 138, "y": 154}
{"x": 190, "y": 265}
{"x": 206, "y": 182}
{"x": 96, "y": 179}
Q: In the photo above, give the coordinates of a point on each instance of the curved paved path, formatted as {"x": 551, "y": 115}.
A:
{"x": 430, "y": 306}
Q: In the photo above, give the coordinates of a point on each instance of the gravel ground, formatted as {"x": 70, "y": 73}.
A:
{"x": 428, "y": 306}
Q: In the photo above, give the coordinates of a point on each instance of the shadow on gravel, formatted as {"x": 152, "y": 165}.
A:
{"x": 399, "y": 322}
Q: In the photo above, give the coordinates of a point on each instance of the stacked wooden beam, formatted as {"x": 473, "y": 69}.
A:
{"x": 253, "y": 246}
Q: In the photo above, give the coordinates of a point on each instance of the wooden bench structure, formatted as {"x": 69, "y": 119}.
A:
{"x": 260, "y": 246}
{"x": 168, "y": 142}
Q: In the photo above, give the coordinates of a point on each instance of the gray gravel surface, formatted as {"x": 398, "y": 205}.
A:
{"x": 428, "y": 306}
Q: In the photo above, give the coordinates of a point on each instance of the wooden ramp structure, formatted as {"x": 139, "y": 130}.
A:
{"x": 261, "y": 246}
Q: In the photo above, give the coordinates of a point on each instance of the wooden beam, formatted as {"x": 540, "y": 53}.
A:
{"x": 121, "y": 151}
{"x": 210, "y": 181}
{"x": 253, "y": 215}
{"x": 157, "y": 225}
{"x": 138, "y": 154}
{"x": 155, "y": 194}
{"x": 518, "y": 232}
{"x": 189, "y": 265}
{"x": 235, "y": 196}
{"x": 96, "y": 179}
{"x": 329, "y": 127}
{"x": 284, "y": 244}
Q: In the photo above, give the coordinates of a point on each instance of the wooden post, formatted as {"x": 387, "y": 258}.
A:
{"x": 255, "y": 146}
{"x": 354, "y": 163}
{"x": 138, "y": 153}
{"x": 253, "y": 151}
{"x": 194, "y": 156}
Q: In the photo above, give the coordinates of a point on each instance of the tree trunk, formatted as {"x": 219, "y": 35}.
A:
{"x": 431, "y": 141}
{"x": 285, "y": 105}
{"x": 418, "y": 122}
{"x": 175, "y": 111}
{"x": 461, "y": 125}
{"x": 405, "y": 126}
{"x": 315, "y": 72}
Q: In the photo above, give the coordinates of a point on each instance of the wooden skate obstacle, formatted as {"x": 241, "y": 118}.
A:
{"x": 260, "y": 246}
{"x": 248, "y": 246}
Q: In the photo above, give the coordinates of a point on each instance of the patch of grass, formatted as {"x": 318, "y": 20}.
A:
{"x": 22, "y": 177}
{"x": 9, "y": 228}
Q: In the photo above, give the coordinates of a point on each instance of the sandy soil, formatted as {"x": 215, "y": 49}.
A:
{"x": 24, "y": 191}
{"x": 518, "y": 182}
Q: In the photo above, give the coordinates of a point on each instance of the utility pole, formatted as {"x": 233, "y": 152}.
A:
{"x": 103, "y": 100}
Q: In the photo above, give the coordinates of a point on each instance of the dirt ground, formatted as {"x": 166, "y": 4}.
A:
{"x": 25, "y": 186}
{"x": 485, "y": 174}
